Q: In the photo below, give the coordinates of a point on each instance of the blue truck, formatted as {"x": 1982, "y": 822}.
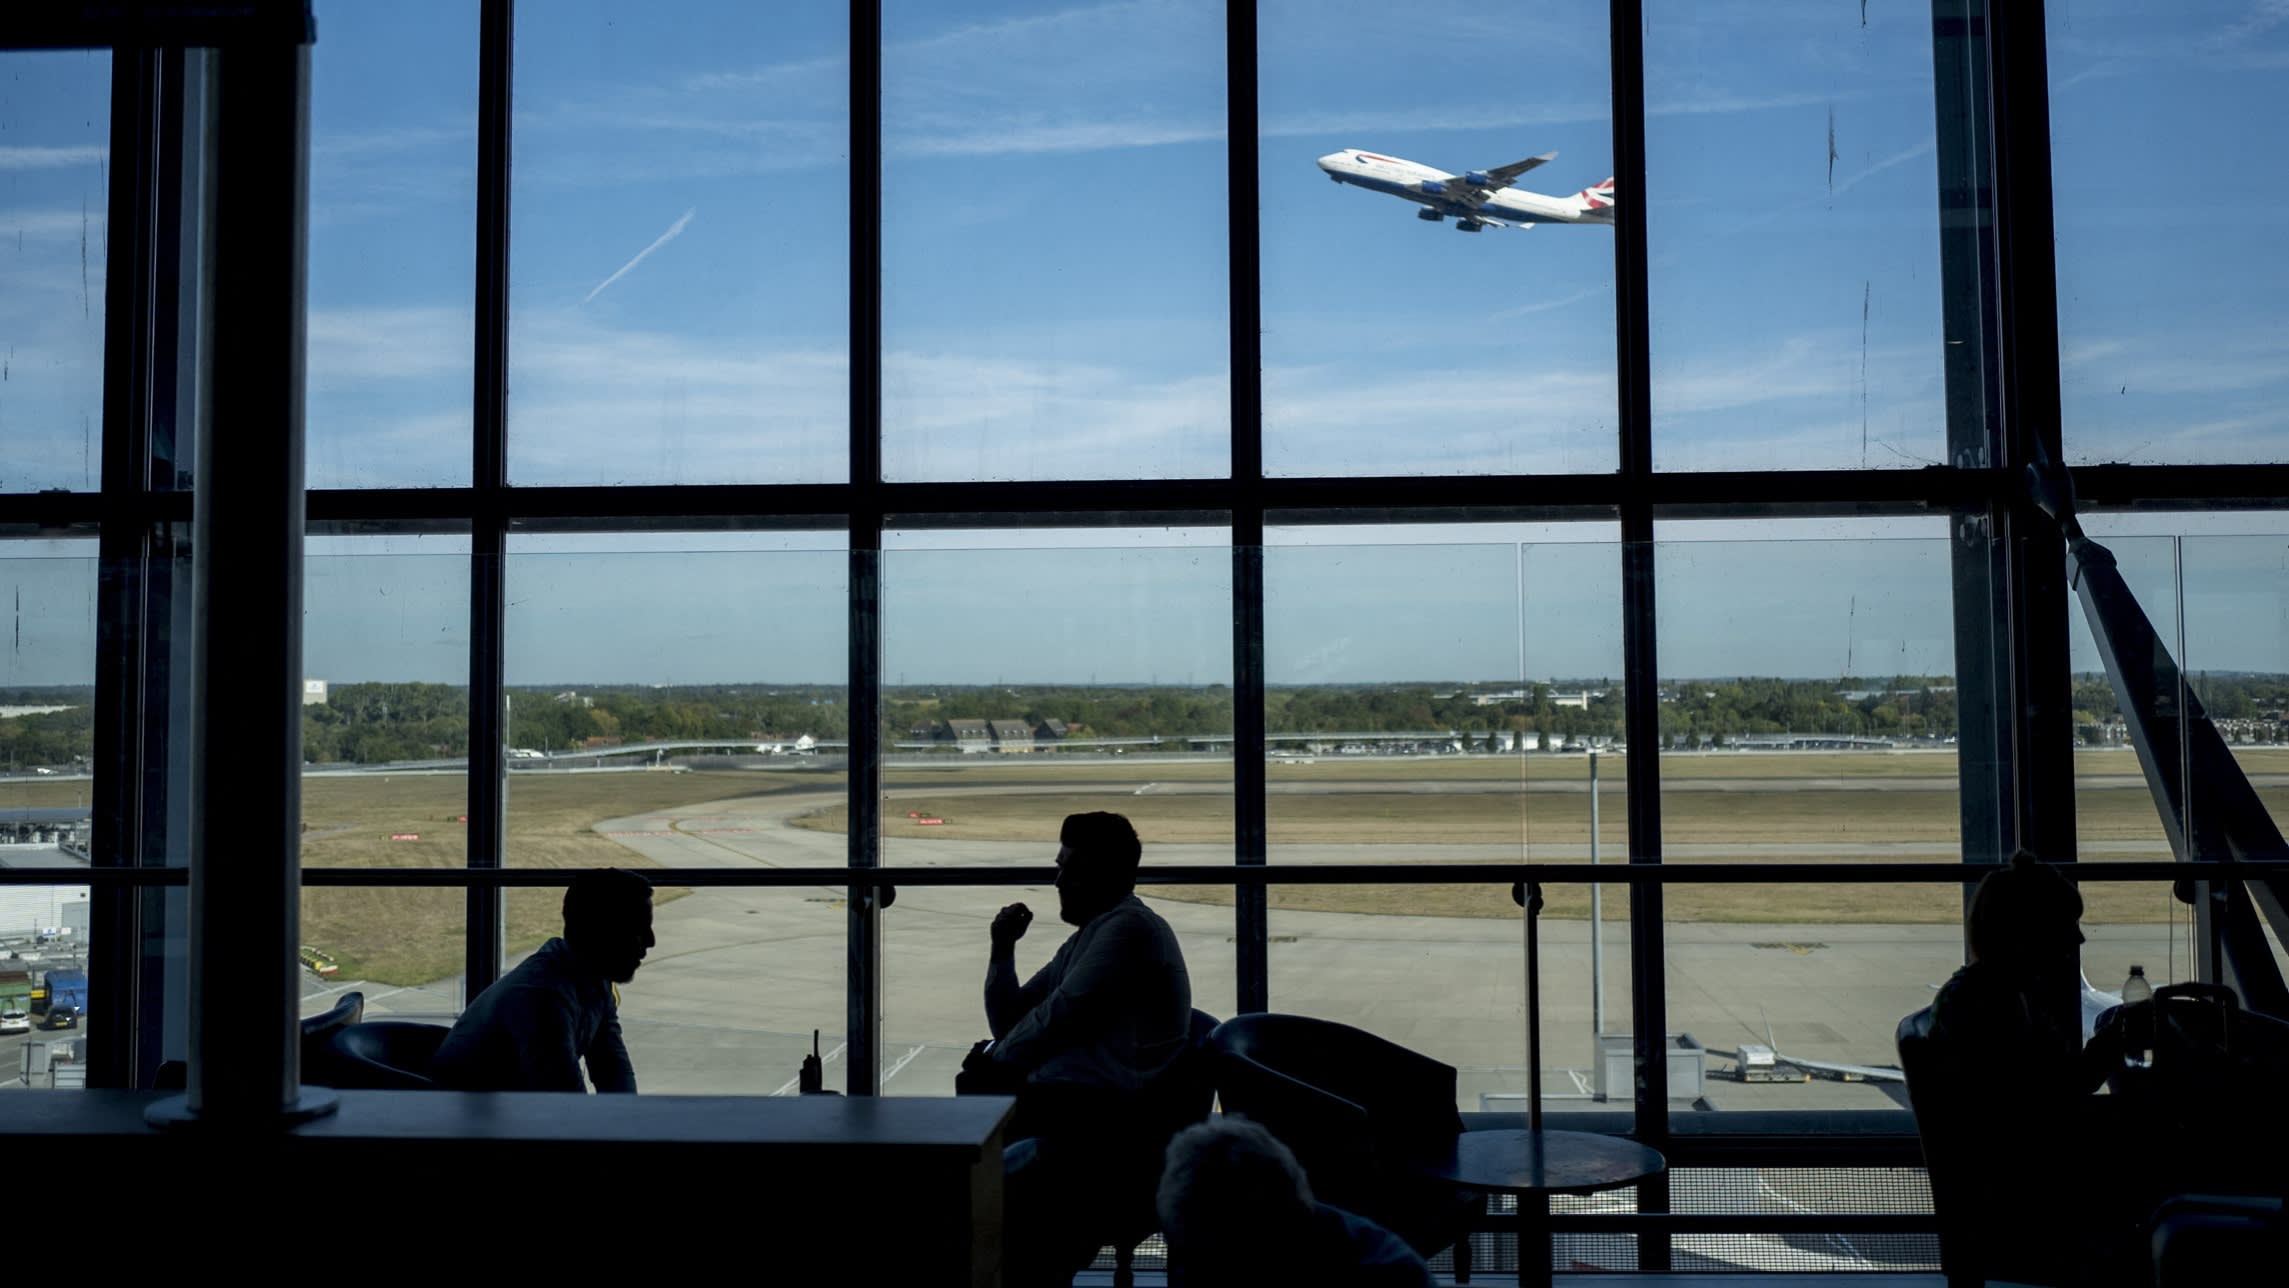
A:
{"x": 67, "y": 998}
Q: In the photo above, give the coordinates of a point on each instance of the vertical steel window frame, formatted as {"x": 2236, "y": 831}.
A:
{"x": 1641, "y": 710}
{"x": 488, "y": 477}
{"x": 1244, "y": 279}
{"x": 863, "y": 782}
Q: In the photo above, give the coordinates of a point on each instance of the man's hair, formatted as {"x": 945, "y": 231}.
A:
{"x": 2021, "y": 910}
{"x": 1229, "y": 1182}
{"x": 599, "y": 895}
{"x": 1103, "y": 838}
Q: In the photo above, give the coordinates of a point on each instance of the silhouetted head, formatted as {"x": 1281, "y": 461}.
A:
{"x": 1097, "y": 858}
{"x": 2023, "y": 915}
{"x": 608, "y": 921}
{"x": 1232, "y": 1201}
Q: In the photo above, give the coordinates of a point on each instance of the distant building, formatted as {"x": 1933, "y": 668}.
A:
{"x": 1579, "y": 699}
{"x": 313, "y": 693}
{"x": 1051, "y": 731}
{"x": 1011, "y": 737}
{"x": 970, "y": 736}
{"x": 1490, "y": 699}
{"x": 600, "y": 740}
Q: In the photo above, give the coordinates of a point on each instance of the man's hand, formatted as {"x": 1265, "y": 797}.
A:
{"x": 1009, "y": 926}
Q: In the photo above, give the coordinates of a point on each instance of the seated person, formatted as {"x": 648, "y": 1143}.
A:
{"x": 1080, "y": 1042}
{"x": 535, "y": 1026}
{"x": 1111, "y": 1010}
{"x": 2014, "y": 1009}
{"x": 1236, "y": 1210}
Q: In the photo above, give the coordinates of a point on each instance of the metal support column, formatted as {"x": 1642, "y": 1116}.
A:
{"x": 864, "y": 785}
{"x": 1641, "y": 698}
{"x": 246, "y": 699}
{"x": 488, "y": 475}
{"x": 1250, "y": 841}
{"x": 115, "y": 1051}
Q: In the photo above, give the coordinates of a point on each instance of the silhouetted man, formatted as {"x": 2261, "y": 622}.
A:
{"x": 1082, "y": 1040}
{"x": 536, "y": 1025}
{"x": 1237, "y": 1212}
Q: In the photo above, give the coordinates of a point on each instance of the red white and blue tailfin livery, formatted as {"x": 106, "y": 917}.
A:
{"x": 1474, "y": 199}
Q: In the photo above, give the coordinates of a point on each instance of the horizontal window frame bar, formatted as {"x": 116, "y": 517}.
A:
{"x": 1158, "y": 502}
{"x": 1390, "y": 874}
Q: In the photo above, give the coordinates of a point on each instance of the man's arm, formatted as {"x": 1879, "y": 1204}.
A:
{"x": 607, "y": 1056}
{"x": 1089, "y": 989}
{"x": 1007, "y": 1001}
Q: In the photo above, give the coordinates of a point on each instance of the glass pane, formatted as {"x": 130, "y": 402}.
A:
{"x": 1028, "y": 676}
{"x": 674, "y": 700}
{"x": 1808, "y": 715}
{"x": 385, "y": 702}
{"x": 1793, "y": 233}
{"x": 1054, "y": 288}
{"x": 727, "y": 1000}
{"x": 1793, "y": 992}
{"x": 55, "y": 116}
{"x": 2169, "y": 347}
{"x": 1397, "y": 347}
{"x": 1411, "y": 683}
{"x": 2116, "y": 816}
{"x": 401, "y": 950}
{"x": 393, "y": 213}
{"x": 679, "y": 289}
{"x": 47, "y": 744}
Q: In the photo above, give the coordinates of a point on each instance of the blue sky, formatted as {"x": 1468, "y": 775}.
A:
{"x": 1054, "y": 305}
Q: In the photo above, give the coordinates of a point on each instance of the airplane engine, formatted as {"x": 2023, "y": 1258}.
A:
{"x": 1478, "y": 178}
{"x": 1432, "y": 215}
{"x": 1431, "y": 188}
{"x": 1468, "y": 225}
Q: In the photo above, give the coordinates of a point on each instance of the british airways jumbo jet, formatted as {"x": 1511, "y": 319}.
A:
{"x": 1474, "y": 199}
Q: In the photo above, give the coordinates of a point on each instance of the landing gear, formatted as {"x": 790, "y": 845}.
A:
{"x": 1468, "y": 225}
{"x": 1432, "y": 215}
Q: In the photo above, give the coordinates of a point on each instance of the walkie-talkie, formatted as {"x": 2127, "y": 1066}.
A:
{"x": 813, "y": 1078}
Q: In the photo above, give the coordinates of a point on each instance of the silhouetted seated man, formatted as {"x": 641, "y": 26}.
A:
{"x": 2011, "y": 1023}
{"x": 536, "y": 1025}
{"x": 1080, "y": 1042}
{"x": 1237, "y": 1212}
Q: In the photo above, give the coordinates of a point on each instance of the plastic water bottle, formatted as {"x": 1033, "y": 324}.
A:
{"x": 2138, "y": 1047}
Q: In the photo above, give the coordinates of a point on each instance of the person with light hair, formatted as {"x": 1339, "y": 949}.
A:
{"x": 1237, "y": 1210}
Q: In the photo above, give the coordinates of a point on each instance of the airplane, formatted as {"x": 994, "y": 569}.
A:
{"x": 1769, "y": 1063}
{"x": 1474, "y": 199}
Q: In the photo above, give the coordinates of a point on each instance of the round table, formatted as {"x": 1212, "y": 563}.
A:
{"x": 1535, "y": 1165}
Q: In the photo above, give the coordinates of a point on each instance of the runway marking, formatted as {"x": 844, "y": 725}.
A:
{"x": 824, "y": 1060}
{"x": 903, "y": 1061}
{"x": 1142, "y": 790}
{"x": 338, "y": 988}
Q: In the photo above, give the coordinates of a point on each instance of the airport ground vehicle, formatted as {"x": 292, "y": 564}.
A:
{"x": 62, "y": 1017}
{"x": 15, "y": 1021}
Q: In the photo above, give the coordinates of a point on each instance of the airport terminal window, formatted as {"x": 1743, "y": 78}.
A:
{"x": 47, "y": 800}
{"x": 1794, "y": 240}
{"x": 385, "y": 706}
{"x": 392, "y": 256}
{"x": 1476, "y": 344}
{"x": 57, "y": 108}
{"x": 1054, "y": 289}
{"x": 1028, "y": 675}
{"x": 2168, "y": 346}
{"x": 680, "y": 273}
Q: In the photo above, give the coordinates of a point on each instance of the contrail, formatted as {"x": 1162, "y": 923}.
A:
{"x": 674, "y": 230}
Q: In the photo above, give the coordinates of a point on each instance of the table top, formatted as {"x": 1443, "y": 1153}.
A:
{"x": 1542, "y": 1162}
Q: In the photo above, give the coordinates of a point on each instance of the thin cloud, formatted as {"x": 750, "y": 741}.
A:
{"x": 674, "y": 231}
{"x": 1852, "y": 181}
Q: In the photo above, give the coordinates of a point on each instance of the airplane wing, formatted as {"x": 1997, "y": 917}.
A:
{"x": 1475, "y": 186}
{"x": 1847, "y": 1072}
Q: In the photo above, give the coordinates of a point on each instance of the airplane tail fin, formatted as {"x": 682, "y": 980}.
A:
{"x": 1596, "y": 200}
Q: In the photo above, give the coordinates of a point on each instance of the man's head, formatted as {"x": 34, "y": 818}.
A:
{"x": 2023, "y": 915}
{"x": 1096, "y": 864}
{"x": 1231, "y": 1195}
{"x": 608, "y": 921}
